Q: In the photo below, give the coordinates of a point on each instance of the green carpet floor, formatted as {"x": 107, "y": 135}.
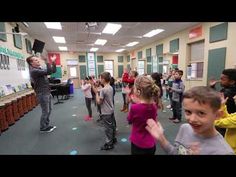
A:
{"x": 73, "y": 135}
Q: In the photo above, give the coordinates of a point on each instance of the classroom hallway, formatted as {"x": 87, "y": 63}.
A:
{"x": 73, "y": 135}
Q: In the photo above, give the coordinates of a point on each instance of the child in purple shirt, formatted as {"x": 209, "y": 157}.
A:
{"x": 141, "y": 140}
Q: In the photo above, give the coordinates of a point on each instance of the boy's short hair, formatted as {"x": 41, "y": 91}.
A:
{"x": 204, "y": 95}
{"x": 135, "y": 73}
{"x": 180, "y": 72}
{"x": 106, "y": 76}
{"x": 230, "y": 73}
{"x": 29, "y": 59}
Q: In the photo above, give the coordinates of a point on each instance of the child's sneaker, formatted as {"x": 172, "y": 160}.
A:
{"x": 86, "y": 118}
{"x": 90, "y": 118}
{"x": 107, "y": 146}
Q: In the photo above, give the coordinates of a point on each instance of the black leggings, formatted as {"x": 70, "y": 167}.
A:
{"x": 124, "y": 98}
{"x": 88, "y": 105}
{"x": 135, "y": 150}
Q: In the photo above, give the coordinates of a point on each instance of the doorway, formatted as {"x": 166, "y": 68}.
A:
{"x": 73, "y": 75}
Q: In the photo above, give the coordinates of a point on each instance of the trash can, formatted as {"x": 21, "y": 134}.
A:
{"x": 71, "y": 88}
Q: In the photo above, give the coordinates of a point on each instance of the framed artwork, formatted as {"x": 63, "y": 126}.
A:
{"x": 17, "y": 40}
{"x": 1, "y": 61}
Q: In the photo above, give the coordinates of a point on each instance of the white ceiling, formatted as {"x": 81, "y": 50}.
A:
{"x": 80, "y": 39}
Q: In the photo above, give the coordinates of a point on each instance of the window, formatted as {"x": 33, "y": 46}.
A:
{"x": 196, "y": 59}
{"x": 100, "y": 59}
{"x": 28, "y": 46}
{"x": 141, "y": 67}
{"x": 120, "y": 59}
{"x": 81, "y": 58}
{"x": 140, "y": 55}
{"x": 17, "y": 40}
{"x": 3, "y": 37}
{"x": 128, "y": 58}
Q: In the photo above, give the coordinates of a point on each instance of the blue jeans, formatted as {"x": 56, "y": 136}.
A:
{"x": 46, "y": 106}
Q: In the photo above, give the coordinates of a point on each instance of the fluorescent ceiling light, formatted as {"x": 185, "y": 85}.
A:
{"x": 63, "y": 48}
{"x": 53, "y": 25}
{"x": 59, "y": 39}
{"x": 26, "y": 24}
{"x": 111, "y": 28}
{"x": 153, "y": 33}
{"x": 120, "y": 50}
{"x": 132, "y": 44}
{"x": 93, "y": 49}
{"x": 100, "y": 42}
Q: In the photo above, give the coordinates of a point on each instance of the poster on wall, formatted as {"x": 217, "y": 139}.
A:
{"x": 58, "y": 73}
{"x": 58, "y": 59}
{"x": 109, "y": 65}
{"x": 91, "y": 64}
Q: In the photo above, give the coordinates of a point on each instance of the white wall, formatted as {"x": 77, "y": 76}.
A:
{"x": 14, "y": 76}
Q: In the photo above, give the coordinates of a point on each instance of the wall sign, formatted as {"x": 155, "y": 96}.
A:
{"x": 11, "y": 53}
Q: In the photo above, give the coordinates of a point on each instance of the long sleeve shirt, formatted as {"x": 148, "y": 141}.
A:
{"x": 87, "y": 90}
{"x": 39, "y": 78}
{"x": 228, "y": 121}
{"x": 138, "y": 115}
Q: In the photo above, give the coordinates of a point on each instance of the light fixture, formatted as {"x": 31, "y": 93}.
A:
{"x": 100, "y": 42}
{"x": 93, "y": 49}
{"x": 53, "y": 25}
{"x": 120, "y": 50}
{"x": 132, "y": 44}
{"x": 26, "y": 24}
{"x": 153, "y": 33}
{"x": 62, "y": 48}
{"x": 111, "y": 28}
{"x": 58, "y": 39}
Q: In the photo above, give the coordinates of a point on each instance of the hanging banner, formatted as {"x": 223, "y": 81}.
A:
{"x": 58, "y": 73}
{"x": 132, "y": 55}
{"x": 91, "y": 64}
{"x": 11, "y": 53}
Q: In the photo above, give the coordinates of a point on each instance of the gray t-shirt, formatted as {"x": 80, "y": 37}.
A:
{"x": 106, "y": 94}
{"x": 208, "y": 146}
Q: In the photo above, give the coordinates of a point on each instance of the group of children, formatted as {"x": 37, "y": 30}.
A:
{"x": 203, "y": 107}
{"x": 104, "y": 99}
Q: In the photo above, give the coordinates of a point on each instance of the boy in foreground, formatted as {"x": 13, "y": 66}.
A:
{"x": 202, "y": 107}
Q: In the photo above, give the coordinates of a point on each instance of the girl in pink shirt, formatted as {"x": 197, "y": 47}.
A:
{"x": 147, "y": 93}
{"x": 86, "y": 88}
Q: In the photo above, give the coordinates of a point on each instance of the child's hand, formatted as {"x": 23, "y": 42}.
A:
{"x": 95, "y": 90}
{"x": 194, "y": 148}
{"x": 82, "y": 82}
{"x": 223, "y": 99}
{"x": 154, "y": 128}
{"x": 213, "y": 82}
